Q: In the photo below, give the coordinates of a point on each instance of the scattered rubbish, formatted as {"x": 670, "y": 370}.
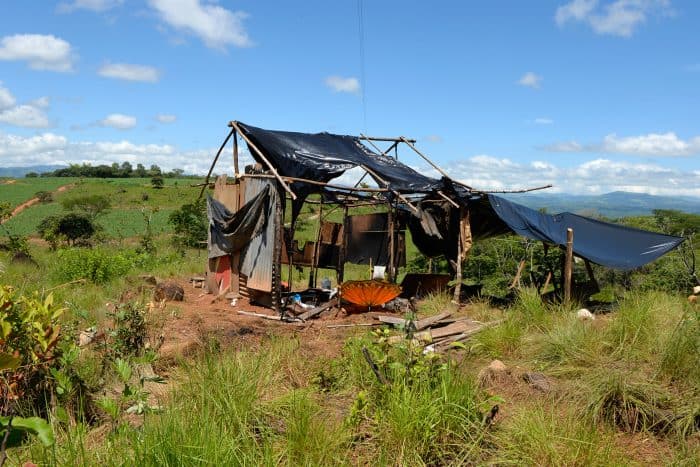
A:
{"x": 369, "y": 294}
{"x": 87, "y": 336}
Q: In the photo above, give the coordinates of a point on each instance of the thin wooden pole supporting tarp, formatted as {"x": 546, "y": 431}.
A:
{"x": 211, "y": 169}
{"x": 435, "y": 166}
{"x": 568, "y": 264}
{"x": 235, "y": 153}
{"x": 267, "y": 162}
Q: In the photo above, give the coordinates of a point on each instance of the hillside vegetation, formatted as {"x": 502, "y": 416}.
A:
{"x": 622, "y": 389}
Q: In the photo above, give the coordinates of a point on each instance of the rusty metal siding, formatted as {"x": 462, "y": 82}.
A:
{"x": 258, "y": 255}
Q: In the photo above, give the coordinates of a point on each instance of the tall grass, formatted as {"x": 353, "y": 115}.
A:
{"x": 552, "y": 435}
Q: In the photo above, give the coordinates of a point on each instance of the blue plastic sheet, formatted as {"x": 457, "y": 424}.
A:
{"x": 610, "y": 245}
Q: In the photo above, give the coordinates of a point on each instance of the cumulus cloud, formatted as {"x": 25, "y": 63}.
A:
{"x": 649, "y": 145}
{"x": 596, "y": 176}
{"x": 130, "y": 72}
{"x": 29, "y": 115}
{"x": 166, "y": 118}
{"x": 543, "y": 121}
{"x": 216, "y": 26}
{"x": 118, "y": 121}
{"x": 41, "y": 52}
{"x": 91, "y": 5}
{"x": 617, "y": 18}
{"x": 530, "y": 80}
{"x": 340, "y": 84}
{"x": 49, "y": 148}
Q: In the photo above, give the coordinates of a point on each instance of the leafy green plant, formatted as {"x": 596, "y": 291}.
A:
{"x": 190, "y": 224}
{"x": 92, "y": 205}
{"x": 69, "y": 228}
{"x": 95, "y": 265}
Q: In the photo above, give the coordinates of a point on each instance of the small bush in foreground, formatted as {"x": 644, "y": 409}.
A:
{"x": 95, "y": 265}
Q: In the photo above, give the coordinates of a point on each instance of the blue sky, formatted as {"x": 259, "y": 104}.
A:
{"x": 589, "y": 95}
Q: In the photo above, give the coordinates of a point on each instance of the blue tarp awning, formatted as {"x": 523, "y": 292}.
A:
{"x": 611, "y": 245}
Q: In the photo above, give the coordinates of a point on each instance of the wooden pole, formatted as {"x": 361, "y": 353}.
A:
{"x": 392, "y": 246}
{"x": 343, "y": 248}
{"x": 235, "y": 152}
{"x": 435, "y": 166}
{"x": 458, "y": 266}
{"x": 317, "y": 249}
{"x": 267, "y": 162}
{"x": 399, "y": 195}
{"x": 568, "y": 264}
{"x": 211, "y": 169}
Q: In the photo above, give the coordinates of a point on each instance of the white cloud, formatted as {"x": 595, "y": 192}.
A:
{"x": 130, "y": 72}
{"x": 7, "y": 100}
{"x": 92, "y": 5}
{"x": 25, "y": 116}
{"x": 595, "y": 176}
{"x": 30, "y": 115}
{"x": 341, "y": 84}
{"x": 617, "y": 18}
{"x": 530, "y": 80}
{"x": 166, "y": 118}
{"x": 118, "y": 121}
{"x": 543, "y": 121}
{"x": 41, "y": 52}
{"x": 216, "y": 26}
{"x": 49, "y": 148}
{"x": 649, "y": 145}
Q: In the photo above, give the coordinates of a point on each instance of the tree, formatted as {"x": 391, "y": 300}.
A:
{"x": 31, "y": 175}
{"x": 69, "y": 227}
{"x": 44, "y": 196}
{"x": 92, "y": 205}
{"x": 140, "y": 171}
{"x": 157, "y": 181}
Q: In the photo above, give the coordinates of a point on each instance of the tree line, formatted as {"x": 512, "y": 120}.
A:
{"x": 116, "y": 170}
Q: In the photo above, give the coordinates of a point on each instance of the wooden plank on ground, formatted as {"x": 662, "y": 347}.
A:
{"x": 431, "y": 320}
{"x": 315, "y": 311}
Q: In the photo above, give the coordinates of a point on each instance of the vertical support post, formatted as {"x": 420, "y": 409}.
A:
{"x": 235, "y": 152}
{"x": 568, "y": 265}
{"x": 277, "y": 253}
{"x": 392, "y": 244}
{"x": 343, "y": 247}
{"x": 313, "y": 274}
{"x": 458, "y": 272}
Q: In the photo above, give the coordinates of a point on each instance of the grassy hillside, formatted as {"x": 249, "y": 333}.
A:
{"x": 130, "y": 199}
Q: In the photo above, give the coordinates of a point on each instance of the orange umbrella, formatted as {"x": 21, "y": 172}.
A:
{"x": 369, "y": 293}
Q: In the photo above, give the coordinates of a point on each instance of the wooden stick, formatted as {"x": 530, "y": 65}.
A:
{"x": 211, "y": 169}
{"x": 443, "y": 195}
{"x": 270, "y": 317}
{"x": 546, "y": 282}
{"x": 380, "y": 138}
{"x": 458, "y": 268}
{"x": 568, "y": 264}
{"x": 315, "y": 311}
{"x": 516, "y": 279}
{"x": 517, "y": 191}
{"x": 262, "y": 156}
{"x": 333, "y": 326}
{"x": 235, "y": 153}
{"x": 399, "y": 195}
{"x": 375, "y": 368}
{"x": 435, "y": 166}
{"x": 431, "y": 320}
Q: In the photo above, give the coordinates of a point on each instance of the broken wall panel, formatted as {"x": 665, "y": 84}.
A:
{"x": 257, "y": 258}
{"x": 368, "y": 240}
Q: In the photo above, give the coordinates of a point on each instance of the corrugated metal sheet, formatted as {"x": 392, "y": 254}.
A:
{"x": 258, "y": 255}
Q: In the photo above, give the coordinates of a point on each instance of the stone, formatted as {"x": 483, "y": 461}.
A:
{"x": 692, "y": 299}
{"x": 696, "y": 290}
{"x": 171, "y": 291}
{"x": 584, "y": 315}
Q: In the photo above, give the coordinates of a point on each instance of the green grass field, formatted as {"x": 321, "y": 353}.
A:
{"x": 126, "y": 216}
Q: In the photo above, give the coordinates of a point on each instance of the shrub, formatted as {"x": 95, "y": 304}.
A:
{"x": 157, "y": 181}
{"x": 95, "y": 265}
{"x": 190, "y": 224}
{"x": 44, "y": 196}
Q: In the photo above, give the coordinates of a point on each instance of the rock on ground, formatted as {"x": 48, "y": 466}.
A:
{"x": 169, "y": 291}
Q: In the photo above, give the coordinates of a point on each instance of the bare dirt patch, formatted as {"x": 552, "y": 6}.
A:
{"x": 31, "y": 202}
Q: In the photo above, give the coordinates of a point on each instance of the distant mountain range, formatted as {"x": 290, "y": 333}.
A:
{"x": 611, "y": 205}
{"x": 22, "y": 171}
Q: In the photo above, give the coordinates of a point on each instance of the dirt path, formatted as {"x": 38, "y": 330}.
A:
{"x": 33, "y": 201}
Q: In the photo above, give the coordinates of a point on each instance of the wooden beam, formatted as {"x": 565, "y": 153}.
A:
{"x": 399, "y": 195}
{"x": 444, "y": 196}
{"x": 382, "y": 138}
{"x": 435, "y": 166}
{"x": 568, "y": 264}
{"x": 235, "y": 153}
{"x": 314, "y": 182}
{"x": 267, "y": 162}
{"x": 211, "y": 169}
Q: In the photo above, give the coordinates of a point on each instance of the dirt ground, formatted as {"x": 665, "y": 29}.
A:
{"x": 33, "y": 201}
{"x": 187, "y": 325}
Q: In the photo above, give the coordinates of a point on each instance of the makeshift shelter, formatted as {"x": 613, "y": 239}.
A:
{"x": 249, "y": 244}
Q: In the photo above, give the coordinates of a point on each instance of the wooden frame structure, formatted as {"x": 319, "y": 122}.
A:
{"x": 234, "y": 194}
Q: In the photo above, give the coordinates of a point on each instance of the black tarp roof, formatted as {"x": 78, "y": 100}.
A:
{"x": 325, "y": 156}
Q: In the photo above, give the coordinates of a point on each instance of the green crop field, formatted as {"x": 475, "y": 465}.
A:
{"x": 17, "y": 191}
{"x": 131, "y": 199}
